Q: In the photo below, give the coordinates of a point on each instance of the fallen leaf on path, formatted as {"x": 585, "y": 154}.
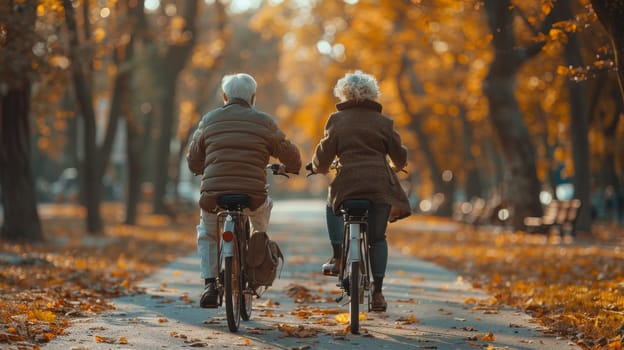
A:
{"x": 107, "y": 340}
{"x": 297, "y": 331}
{"x": 488, "y": 337}
{"x": 346, "y": 317}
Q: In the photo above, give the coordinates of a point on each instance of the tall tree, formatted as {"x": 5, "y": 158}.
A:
{"x": 169, "y": 66}
{"x": 91, "y": 184}
{"x": 579, "y": 121}
{"x": 17, "y": 24}
{"x": 505, "y": 115}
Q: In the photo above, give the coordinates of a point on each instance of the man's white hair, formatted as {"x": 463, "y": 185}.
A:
{"x": 356, "y": 86}
{"x": 239, "y": 85}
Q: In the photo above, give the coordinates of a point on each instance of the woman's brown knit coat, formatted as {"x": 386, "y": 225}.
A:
{"x": 363, "y": 139}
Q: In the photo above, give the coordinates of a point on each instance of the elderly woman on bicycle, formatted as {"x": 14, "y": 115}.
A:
{"x": 365, "y": 148}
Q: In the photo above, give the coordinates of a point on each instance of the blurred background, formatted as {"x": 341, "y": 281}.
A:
{"x": 504, "y": 105}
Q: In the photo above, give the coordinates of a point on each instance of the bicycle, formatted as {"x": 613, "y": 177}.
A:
{"x": 354, "y": 276}
{"x": 233, "y": 283}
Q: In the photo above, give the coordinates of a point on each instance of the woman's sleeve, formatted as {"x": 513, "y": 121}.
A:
{"x": 325, "y": 151}
{"x": 396, "y": 150}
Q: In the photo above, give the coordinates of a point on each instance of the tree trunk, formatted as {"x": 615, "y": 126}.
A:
{"x": 17, "y": 185}
{"x": 21, "y": 220}
{"x": 133, "y": 152}
{"x": 579, "y": 125}
{"x": 472, "y": 182}
{"x": 92, "y": 184}
{"x": 506, "y": 118}
{"x": 610, "y": 14}
{"x": 415, "y": 87}
{"x": 171, "y": 66}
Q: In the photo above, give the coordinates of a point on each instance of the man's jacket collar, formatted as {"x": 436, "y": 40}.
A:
{"x": 237, "y": 101}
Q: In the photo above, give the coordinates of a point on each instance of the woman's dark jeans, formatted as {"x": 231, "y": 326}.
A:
{"x": 377, "y": 223}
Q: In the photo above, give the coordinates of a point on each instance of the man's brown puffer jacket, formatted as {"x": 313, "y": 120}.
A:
{"x": 231, "y": 148}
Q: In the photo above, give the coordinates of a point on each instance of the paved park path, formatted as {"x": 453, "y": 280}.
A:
{"x": 428, "y": 307}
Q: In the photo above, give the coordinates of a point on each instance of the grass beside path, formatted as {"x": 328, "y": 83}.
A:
{"x": 575, "y": 288}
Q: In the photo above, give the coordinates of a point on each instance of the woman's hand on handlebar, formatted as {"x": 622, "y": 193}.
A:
{"x": 310, "y": 169}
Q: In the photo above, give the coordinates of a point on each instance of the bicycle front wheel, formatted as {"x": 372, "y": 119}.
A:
{"x": 233, "y": 291}
{"x": 355, "y": 297}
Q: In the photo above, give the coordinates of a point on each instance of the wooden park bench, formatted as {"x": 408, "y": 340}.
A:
{"x": 558, "y": 215}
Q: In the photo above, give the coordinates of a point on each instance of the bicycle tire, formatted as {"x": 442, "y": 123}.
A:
{"x": 247, "y": 295}
{"x": 365, "y": 280}
{"x": 354, "y": 308}
{"x": 232, "y": 294}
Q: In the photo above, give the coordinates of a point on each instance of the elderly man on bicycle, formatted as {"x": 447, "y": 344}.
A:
{"x": 231, "y": 148}
{"x": 364, "y": 144}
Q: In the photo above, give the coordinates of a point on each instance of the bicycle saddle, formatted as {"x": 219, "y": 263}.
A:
{"x": 233, "y": 201}
{"x": 356, "y": 207}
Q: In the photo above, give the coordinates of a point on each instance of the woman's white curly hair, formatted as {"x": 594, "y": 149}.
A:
{"x": 356, "y": 86}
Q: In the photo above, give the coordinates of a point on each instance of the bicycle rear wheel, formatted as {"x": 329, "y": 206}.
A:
{"x": 355, "y": 297}
{"x": 233, "y": 289}
{"x": 365, "y": 273}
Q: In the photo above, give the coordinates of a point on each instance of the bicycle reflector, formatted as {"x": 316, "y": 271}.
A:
{"x": 228, "y": 236}
{"x": 228, "y": 227}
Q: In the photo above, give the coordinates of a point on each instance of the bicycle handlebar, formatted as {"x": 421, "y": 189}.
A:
{"x": 279, "y": 169}
{"x": 335, "y": 165}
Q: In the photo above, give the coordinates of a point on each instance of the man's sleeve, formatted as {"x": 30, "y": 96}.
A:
{"x": 196, "y": 151}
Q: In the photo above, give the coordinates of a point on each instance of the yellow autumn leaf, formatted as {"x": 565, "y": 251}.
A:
{"x": 346, "y": 318}
{"x": 39, "y": 315}
{"x": 123, "y": 340}
{"x": 488, "y": 337}
{"x": 342, "y": 318}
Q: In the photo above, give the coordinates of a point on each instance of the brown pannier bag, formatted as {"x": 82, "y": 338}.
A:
{"x": 263, "y": 257}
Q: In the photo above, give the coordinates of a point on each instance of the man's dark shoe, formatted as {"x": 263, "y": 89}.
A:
{"x": 379, "y": 302}
{"x": 209, "y": 296}
{"x": 331, "y": 267}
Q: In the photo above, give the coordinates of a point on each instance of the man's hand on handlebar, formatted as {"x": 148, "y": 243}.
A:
{"x": 280, "y": 169}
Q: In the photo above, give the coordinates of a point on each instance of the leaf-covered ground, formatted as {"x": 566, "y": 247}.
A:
{"x": 73, "y": 274}
{"x": 573, "y": 287}
{"x": 576, "y": 288}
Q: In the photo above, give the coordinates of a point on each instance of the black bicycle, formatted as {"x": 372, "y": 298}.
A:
{"x": 234, "y": 283}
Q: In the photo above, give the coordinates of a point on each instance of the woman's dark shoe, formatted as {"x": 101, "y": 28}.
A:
{"x": 379, "y": 302}
{"x": 331, "y": 267}
{"x": 209, "y": 296}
